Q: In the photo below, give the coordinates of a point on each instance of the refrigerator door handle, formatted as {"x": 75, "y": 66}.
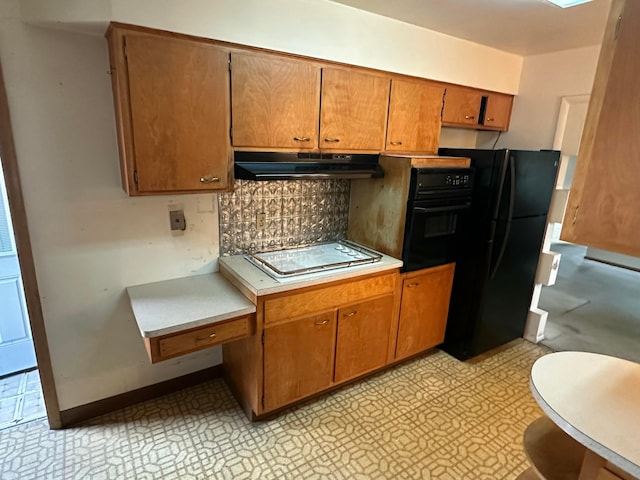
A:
{"x": 507, "y": 230}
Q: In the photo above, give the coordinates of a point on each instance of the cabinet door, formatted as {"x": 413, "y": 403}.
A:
{"x": 604, "y": 203}
{"x": 414, "y": 117}
{"x": 298, "y": 359}
{"x": 498, "y": 111}
{"x": 354, "y": 110}
{"x": 363, "y": 337}
{"x": 275, "y": 102}
{"x": 461, "y": 106}
{"x": 178, "y": 94}
{"x": 424, "y": 309}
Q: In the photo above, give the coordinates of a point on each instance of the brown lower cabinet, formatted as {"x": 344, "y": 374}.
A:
{"x": 311, "y": 339}
{"x": 298, "y": 359}
{"x": 424, "y": 309}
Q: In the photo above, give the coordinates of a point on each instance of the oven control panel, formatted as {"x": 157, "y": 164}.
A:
{"x": 438, "y": 179}
{"x": 455, "y": 180}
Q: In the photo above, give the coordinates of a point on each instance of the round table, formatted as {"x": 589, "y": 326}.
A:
{"x": 596, "y": 400}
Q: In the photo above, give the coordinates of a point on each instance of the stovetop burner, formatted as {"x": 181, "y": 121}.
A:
{"x": 315, "y": 258}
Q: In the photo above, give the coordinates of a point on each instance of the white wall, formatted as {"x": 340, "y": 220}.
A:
{"x": 318, "y": 28}
{"x": 545, "y": 80}
{"x": 90, "y": 240}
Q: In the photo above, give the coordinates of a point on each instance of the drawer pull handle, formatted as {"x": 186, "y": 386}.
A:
{"x": 332, "y": 140}
{"x": 206, "y": 339}
{"x": 469, "y": 117}
{"x": 396, "y": 143}
{"x": 411, "y": 285}
{"x": 490, "y": 119}
{"x": 351, "y": 314}
{"x": 209, "y": 179}
{"x": 301, "y": 139}
{"x": 323, "y": 322}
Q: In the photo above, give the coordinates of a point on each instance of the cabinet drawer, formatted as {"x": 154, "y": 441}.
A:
{"x": 322, "y": 299}
{"x": 173, "y": 345}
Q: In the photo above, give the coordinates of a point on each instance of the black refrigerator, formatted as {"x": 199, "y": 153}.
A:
{"x": 498, "y": 247}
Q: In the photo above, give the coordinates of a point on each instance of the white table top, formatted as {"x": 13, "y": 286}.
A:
{"x": 595, "y": 399}
{"x": 174, "y": 305}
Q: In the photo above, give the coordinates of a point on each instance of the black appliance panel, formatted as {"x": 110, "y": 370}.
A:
{"x": 507, "y": 293}
{"x": 437, "y": 209}
{"x": 529, "y": 183}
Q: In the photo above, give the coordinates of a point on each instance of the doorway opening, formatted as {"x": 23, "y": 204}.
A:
{"x": 591, "y": 306}
{"x": 20, "y": 390}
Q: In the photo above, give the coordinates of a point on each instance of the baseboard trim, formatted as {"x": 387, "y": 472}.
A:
{"x": 78, "y": 414}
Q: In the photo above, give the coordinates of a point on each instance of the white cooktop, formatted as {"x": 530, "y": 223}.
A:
{"x": 327, "y": 256}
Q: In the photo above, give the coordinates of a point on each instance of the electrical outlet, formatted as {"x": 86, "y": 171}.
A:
{"x": 176, "y": 217}
{"x": 261, "y": 220}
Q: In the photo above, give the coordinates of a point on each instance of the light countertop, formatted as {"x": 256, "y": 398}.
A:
{"x": 175, "y": 305}
{"x": 596, "y": 400}
{"x": 242, "y": 273}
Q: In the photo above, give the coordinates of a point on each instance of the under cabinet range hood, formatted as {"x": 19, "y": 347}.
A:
{"x": 301, "y": 166}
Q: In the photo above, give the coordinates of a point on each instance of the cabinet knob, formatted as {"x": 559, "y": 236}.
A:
{"x": 323, "y": 322}
{"x": 411, "y": 285}
{"x": 206, "y": 339}
{"x": 351, "y": 314}
{"x": 301, "y": 139}
{"x": 490, "y": 119}
{"x": 395, "y": 143}
{"x": 469, "y": 117}
{"x": 209, "y": 179}
{"x": 332, "y": 140}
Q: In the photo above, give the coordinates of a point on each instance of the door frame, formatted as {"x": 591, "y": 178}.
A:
{"x": 25, "y": 258}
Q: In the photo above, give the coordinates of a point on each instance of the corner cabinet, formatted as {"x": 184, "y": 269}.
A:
{"x": 414, "y": 116}
{"x": 604, "y": 203}
{"x": 424, "y": 309}
{"x": 171, "y": 98}
{"x": 477, "y": 109}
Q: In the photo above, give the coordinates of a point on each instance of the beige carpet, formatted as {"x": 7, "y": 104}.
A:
{"x": 431, "y": 418}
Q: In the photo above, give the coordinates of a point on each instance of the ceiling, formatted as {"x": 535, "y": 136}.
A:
{"x": 523, "y": 27}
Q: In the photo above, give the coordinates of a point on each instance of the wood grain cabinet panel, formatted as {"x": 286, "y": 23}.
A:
{"x": 363, "y": 337}
{"x": 172, "y": 109}
{"x": 298, "y": 359}
{"x": 461, "y": 106}
{"x": 604, "y": 203}
{"x": 414, "y": 117}
{"x": 354, "y": 107}
{"x": 498, "y": 111}
{"x": 275, "y": 102}
{"x": 295, "y": 305}
{"x": 424, "y": 308}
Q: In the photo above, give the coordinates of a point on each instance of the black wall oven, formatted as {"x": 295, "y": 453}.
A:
{"x": 437, "y": 209}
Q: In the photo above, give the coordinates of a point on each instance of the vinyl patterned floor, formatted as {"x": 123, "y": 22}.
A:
{"x": 431, "y": 418}
{"x": 20, "y": 399}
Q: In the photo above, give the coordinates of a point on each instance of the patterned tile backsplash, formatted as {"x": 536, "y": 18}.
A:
{"x": 297, "y": 212}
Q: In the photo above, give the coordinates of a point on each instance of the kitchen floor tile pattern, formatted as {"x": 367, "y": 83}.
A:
{"x": 429, "y": 418}
{"x": 20, "y": 399}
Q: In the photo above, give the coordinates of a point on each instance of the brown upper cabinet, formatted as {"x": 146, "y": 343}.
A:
{"x": 171, "y": 100}
{"x": 354, "y": 110}
{"x": 275, "y": 102}
{"x": 604, "y": 203}
{"x": 498, "y": 111}
{"x": 470, "y": 108}
{"x": 414, "y": 116}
